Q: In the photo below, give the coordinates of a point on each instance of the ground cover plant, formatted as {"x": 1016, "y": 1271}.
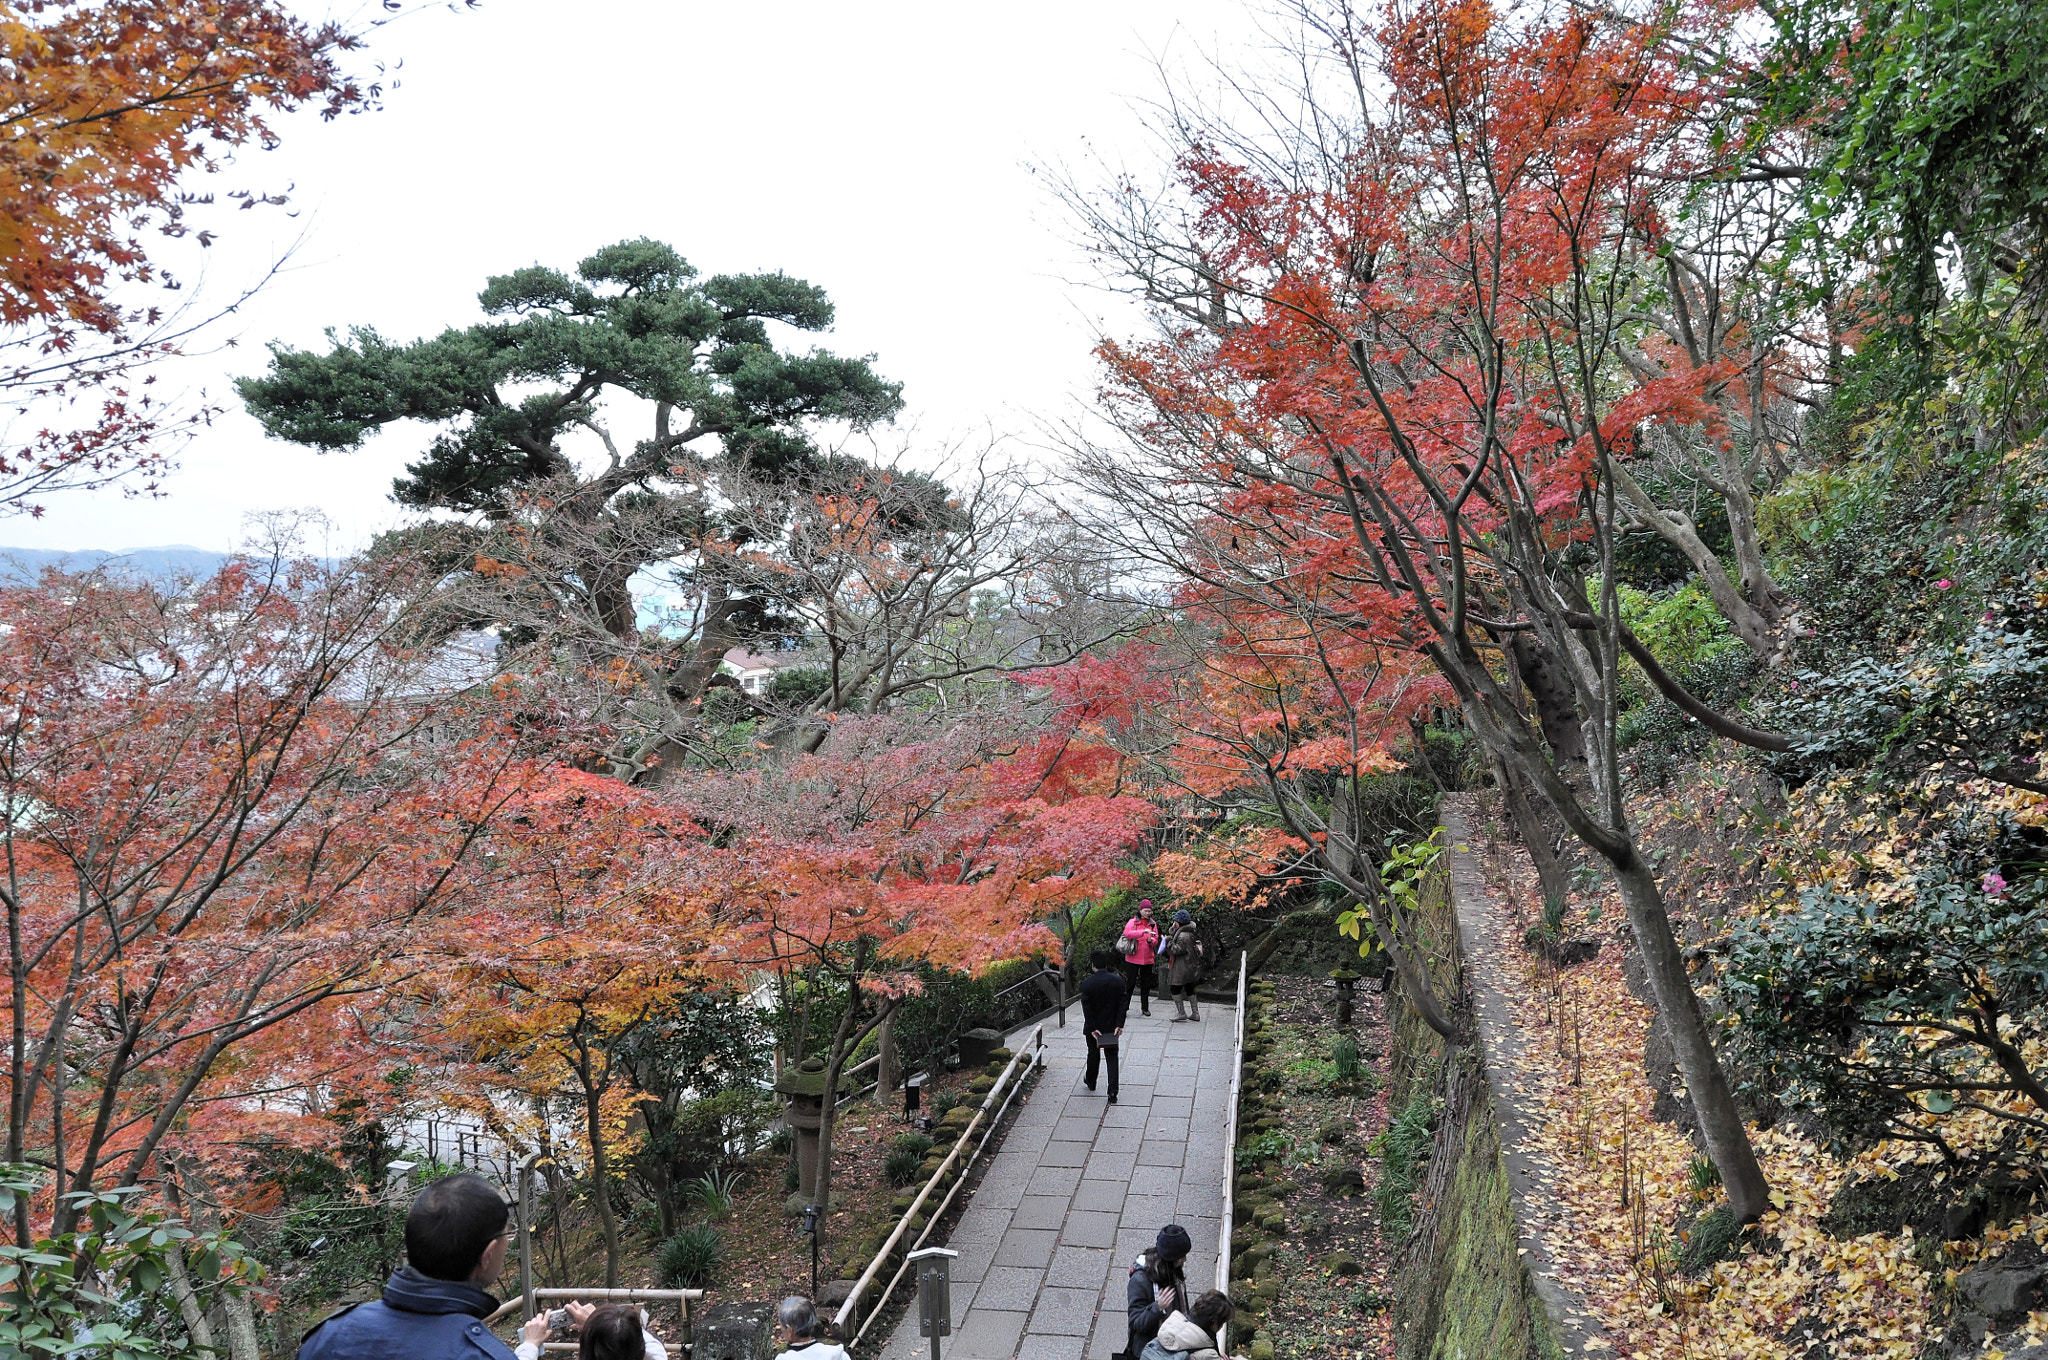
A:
{"x": 1312, "y": 1259}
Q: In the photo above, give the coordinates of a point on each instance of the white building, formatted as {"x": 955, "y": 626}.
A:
{"x": 753, "y": 672}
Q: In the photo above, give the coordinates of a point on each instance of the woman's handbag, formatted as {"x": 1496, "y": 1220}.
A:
{"x": 1127, "y": 945}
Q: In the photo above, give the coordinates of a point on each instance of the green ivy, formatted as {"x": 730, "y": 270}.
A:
{"x": 119, "y": 1306}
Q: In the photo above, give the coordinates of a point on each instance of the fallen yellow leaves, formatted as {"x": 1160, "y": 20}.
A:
{"x": 1622, "y": 1183}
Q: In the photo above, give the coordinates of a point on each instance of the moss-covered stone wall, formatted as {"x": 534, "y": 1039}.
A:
{"x": 1462, "y": 1291}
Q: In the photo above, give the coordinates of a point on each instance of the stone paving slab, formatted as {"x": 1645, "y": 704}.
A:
{"x": 1048, "y": 1238}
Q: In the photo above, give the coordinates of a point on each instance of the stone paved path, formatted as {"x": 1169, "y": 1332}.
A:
{"x": 1080, "y": 1187}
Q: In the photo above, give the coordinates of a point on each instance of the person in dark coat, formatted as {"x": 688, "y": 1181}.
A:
{"x": 434, "y": 1305}
{"x": 1105, "y": 1007}
{"x": 1157, "y": 1286}
{"x": 1183, "y": 954}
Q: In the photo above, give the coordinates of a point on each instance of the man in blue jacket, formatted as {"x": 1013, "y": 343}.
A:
{"x": 433, "y": 1305}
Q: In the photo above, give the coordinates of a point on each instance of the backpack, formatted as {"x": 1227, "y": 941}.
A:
{"x": 1154, "y": 1351}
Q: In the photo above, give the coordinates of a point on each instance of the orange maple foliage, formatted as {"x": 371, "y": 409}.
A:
{"x": 236, "y": 812}
{"x": 108, "y": 104}
{"x": 1410, "y": 409}
{"x": 111, "y": 106}
{"x": 581, "y": 929}
{"x": 905, "y": 841}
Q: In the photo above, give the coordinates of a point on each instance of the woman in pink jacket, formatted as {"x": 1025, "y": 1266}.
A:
{"x": 1140, "y": 950}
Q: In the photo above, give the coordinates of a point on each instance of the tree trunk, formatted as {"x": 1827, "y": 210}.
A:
{"x": 197, "y": 1329}
{"x": 662, "y": 1176}
{"x": 18, "y": 1111}
{"x": 600, "y": 1165}
{"x": 242, "y": 1344}
{"x": 1420, "y": 735}
{"x": 821, "y": 1173}
{"x": 1758, "y": 586}
{"x": 205, "y": 1216}
{"x": 1534, "y": 833}
{"x": 613, "y": 599}
{"x": 1720, "y": 1123}
{"x": 844, "y": 1040}
{"x": 888, "y": 1075}
{"x": 1556, "y": 706}
{"x": 1756, "y": 628}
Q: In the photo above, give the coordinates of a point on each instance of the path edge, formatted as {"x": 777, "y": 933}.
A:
{"x": 1573, "y": 1326}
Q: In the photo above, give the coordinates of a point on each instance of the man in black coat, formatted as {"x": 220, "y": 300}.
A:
{"x": 1105, "y": 1005}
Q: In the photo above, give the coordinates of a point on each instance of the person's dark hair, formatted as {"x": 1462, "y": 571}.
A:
{"x": 451, "y": 1223}
{"x": 612, "y": 1332}
{"x": 1212, "y": 1312}
{"x": 1102, "y": 958}
{"x": 799, "y": 1315}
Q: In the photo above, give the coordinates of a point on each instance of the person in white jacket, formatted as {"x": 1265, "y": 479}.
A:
{"x": 1196, "y": 1334}
{"x": 611, "y": 1331}
{"x": 796, "y": 1327}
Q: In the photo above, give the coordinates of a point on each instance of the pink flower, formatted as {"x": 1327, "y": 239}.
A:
{"x": 1994, "y": 884}
{"x": 1943, "y": 584}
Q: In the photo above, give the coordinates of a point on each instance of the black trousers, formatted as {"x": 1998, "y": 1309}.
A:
{"x": 1098, "y": 1054}
{"x": 1143, "y": 982}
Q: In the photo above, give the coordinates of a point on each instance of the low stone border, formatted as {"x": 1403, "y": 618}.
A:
{"x": 1254, "y": 1283}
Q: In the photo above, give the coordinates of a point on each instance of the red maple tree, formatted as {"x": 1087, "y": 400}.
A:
{"x": 1412, "y": 373}
{"x": 237, "y": 813}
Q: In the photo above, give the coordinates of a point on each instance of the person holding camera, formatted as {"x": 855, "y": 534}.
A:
{"x": 604, "y": 1331}
{"x": 1140, "y": 948}
{"x": 1184, "y": 966}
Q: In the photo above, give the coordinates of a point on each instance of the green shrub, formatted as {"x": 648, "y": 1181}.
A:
{"x": 689, "y": 1258}
{"x": 1345, "y": 1056}
{"x": 901, "y": 1165}
{"x": 1713, "y": 1238}
{"x": 1853, "y": 998}
{"x": 798, "y": 685}
{"x": 713, "y": 1192}
{"x": 1268, "y": 1146}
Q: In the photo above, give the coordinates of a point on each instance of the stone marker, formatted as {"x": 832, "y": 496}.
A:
{"x": 734, "y": 1331}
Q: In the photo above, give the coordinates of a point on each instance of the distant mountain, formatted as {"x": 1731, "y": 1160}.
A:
{"x": 177, "y": 559}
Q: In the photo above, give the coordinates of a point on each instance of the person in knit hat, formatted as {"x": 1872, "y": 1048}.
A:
{"x": 1183, "y": 955}
{"x": 1157, "y": 1286}
{"x": 1140, "y": 948}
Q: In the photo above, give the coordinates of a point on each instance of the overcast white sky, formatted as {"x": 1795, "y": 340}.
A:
{"x": 881, "y": 150}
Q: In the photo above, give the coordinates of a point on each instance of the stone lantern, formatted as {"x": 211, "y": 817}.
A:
{"x": 803, "y": 1087}
{"x": 1347, "y": 983}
